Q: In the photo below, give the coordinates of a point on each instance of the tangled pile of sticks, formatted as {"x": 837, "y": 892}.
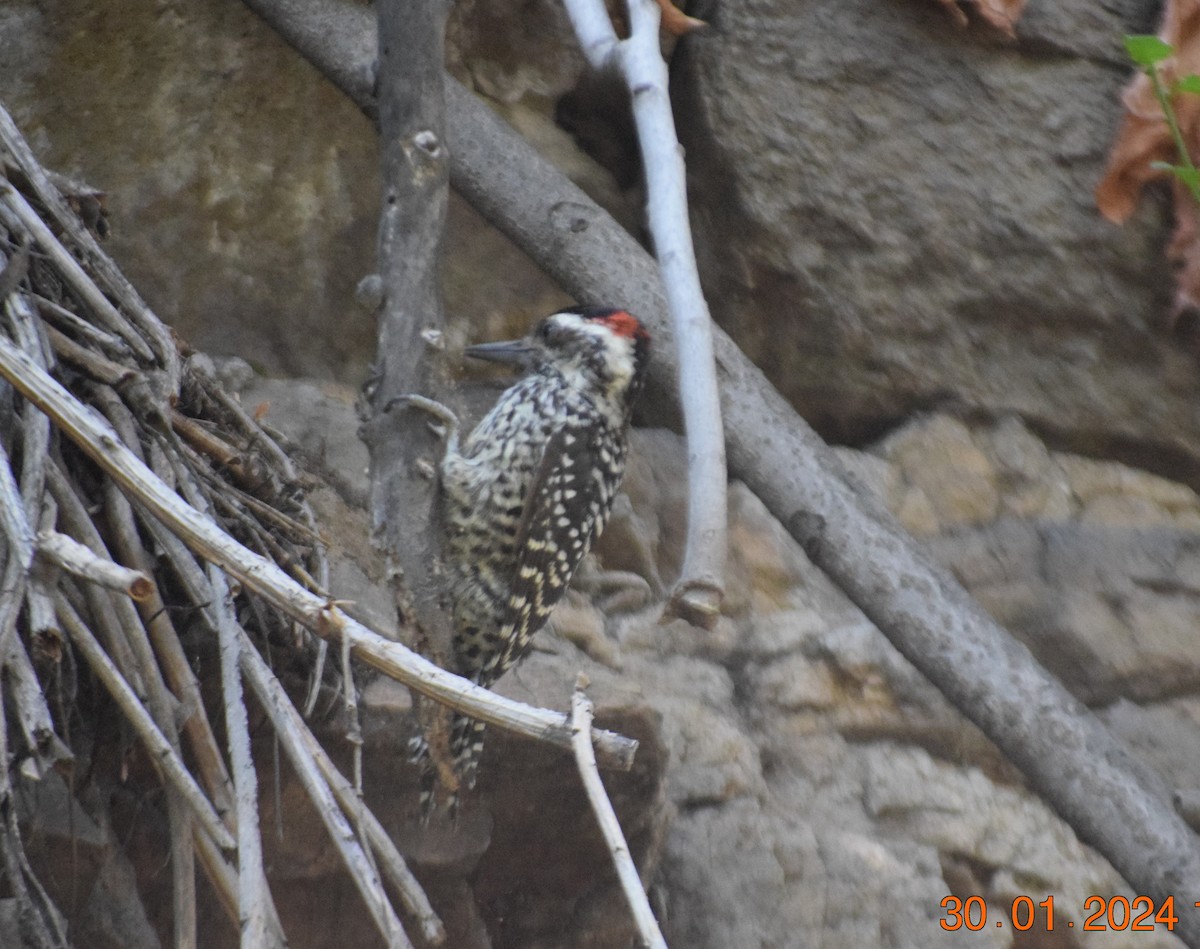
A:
{"x": 117, "y": 450}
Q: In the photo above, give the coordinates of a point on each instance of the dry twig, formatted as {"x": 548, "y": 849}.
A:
{"x": 162, "y": 754}
{"x": 74, "y": 557}
{"x": 252, "y": 881}
{"x": 606, "y": 817}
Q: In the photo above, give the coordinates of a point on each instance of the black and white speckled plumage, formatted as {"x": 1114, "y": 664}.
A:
{"x": 531, "y": 488}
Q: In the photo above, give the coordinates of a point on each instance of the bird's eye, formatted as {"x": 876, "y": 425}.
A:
{"x": 543, "y": 331}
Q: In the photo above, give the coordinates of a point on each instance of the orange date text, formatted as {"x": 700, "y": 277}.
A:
{"x": 1099, "y": 914}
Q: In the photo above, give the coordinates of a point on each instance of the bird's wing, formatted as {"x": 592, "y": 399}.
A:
{"x": 565, "y": 508}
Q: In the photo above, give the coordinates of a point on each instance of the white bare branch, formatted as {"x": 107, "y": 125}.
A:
{"x": 610, "y": 827}
{"x": 252, "y": 881}
{"x": 697, "y": 594}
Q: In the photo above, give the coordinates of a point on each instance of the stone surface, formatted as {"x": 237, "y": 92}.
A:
{"x": 1091, "y": 563}
{"x": 241, "y": 187}
{"x": 894, "y": 213}
{"x": 92, "y": 878}
{"x": 242, "y": 225}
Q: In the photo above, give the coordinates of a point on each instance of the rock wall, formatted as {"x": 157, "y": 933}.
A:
{"x": 895, "y": 214}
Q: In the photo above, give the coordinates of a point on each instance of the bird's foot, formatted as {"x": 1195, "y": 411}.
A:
{"x": 447, "y": 430}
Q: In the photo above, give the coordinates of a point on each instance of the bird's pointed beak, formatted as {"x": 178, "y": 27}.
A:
{"x": 515, "y": 352}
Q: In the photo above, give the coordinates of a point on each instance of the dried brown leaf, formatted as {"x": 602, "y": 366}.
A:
{"x": 676, "y": 22}
{"x": 1144, "y": 136}
{"x": 1002, "y": 14}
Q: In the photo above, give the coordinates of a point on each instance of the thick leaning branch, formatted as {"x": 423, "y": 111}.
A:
{"x": 92, "y": 433}
{"x": 415, "y": 190}
{"x": 698, "y": 593}
{"x": 1111, "y": 801}
{"x": 415, "y": 182}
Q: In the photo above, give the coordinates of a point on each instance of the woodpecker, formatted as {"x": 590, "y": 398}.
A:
{"x": 524, "y": 496}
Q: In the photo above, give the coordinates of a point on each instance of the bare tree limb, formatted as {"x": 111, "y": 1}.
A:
{"x": 697, "y": 594}
{"x": 606, "y": 817}
{"x": 349, "y": 845}
{"x": 33, "y": 717}
{"x": 183, "y": 870}
{"x": 21, "y": 545}
{"x": 252, "y": 880}
{"x": 35, "y": 449}
{"x": 18, "y": 513}
{"x": 161, "y": 753}
{"x": 70, "y": 555}
{"x": 35, "y": 431}
{"x": 80, "y": 282}
{"x": 63, "y": 319}
{"x": 1110, "y": 800}
{"x": 416, "y": 185}
{"x": 224, "y": 880}
{"x": 97, "y": 438}
{"x": 290, "y": 725}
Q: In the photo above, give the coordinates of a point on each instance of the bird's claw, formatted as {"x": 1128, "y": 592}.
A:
{"x": 445, "y": 426}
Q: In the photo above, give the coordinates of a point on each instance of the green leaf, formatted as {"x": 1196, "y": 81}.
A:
{"x": 1189, "y": 176}
{"x": 1189, "y": 84}
{"x": 1147, "y": 50}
